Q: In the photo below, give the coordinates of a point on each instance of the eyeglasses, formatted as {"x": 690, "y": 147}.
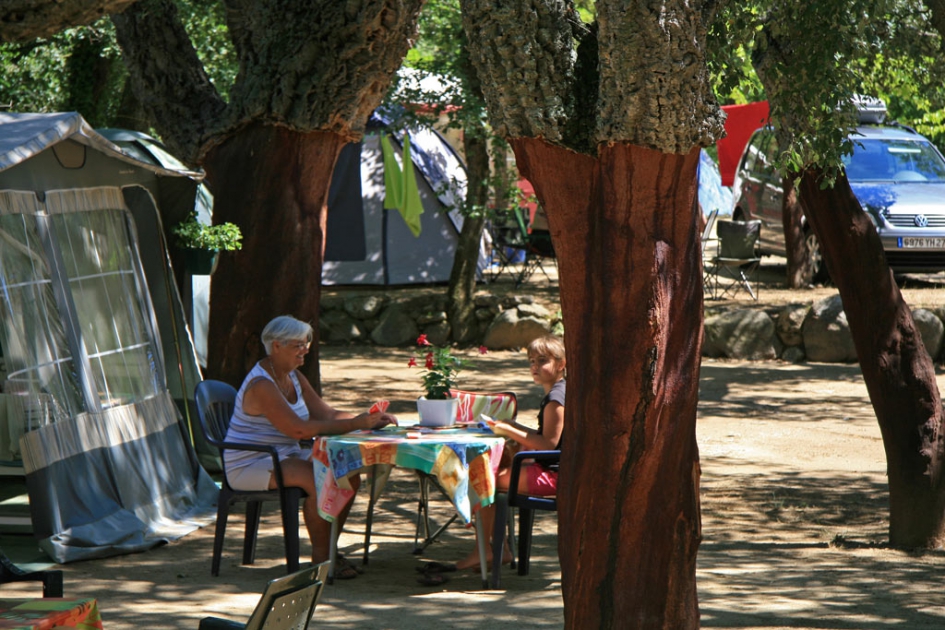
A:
{"x": 298, "y": 345}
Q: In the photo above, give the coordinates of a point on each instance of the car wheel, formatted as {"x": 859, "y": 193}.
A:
{"x": 815, "y": 258}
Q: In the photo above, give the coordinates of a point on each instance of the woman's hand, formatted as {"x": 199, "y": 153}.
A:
{"x": 377, "y": 420}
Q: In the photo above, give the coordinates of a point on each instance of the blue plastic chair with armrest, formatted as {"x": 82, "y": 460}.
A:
{"x": 215, "y": 401}
{"x": 526, "y": 505}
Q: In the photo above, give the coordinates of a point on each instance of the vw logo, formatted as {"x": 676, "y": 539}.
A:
{"x": 921, "y": 220}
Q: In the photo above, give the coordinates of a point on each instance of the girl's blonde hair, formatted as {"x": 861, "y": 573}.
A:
{"x": 547, "y": 345}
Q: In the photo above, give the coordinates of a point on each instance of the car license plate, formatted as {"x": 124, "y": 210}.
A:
{"x": 921, "y": 243}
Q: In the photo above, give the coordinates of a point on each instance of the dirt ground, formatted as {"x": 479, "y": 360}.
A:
{"x": 794, "y": 514}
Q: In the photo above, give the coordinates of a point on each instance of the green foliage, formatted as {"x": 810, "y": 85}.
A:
{"x": 94, "y": 74}
{"x": 729, "y": 38}
{"x": 441, "y": 368}
{"x": 827, "y": 52}
{"x": 205, "y": 23}
{"x": 191, "y": 234}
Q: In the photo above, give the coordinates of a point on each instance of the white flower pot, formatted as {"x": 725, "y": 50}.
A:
{"x": 437, "y": 413}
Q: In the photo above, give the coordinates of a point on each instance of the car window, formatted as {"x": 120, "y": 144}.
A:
{"x": 751, "y": 152}
{"x": 894, "y": 160}
{"x": 771, "y": 152}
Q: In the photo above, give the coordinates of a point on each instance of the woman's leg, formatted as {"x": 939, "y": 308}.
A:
{"x": 300, "y": 473}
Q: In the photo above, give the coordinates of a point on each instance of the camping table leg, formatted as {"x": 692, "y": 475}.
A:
{"x": 332, "y": 551}
{"x": 481, "y": 542}
{"x": 372, "y": 500}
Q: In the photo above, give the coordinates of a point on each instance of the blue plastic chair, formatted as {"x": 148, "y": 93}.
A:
{"x": 526, "y": 505}
{"x": 215, "y": 401}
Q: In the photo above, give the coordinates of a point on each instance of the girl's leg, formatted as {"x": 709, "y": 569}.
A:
{"x": 487, "y": 514}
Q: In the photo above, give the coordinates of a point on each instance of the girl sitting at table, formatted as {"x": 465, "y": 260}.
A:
{"x": 276, "y": 405}
{"x": 547, "y": 364}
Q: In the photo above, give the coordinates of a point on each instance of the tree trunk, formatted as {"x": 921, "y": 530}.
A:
{"x": 799, "y": 272}
{"x": 897, "y": 369}
{"x": 462, "y": 287}
{"x": 629, "y": 260}
{"x": 273, "y": 183}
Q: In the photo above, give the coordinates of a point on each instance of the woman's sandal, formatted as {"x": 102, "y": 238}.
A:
{"x": 345, "y": 569}
{"x": 436, "y": 567}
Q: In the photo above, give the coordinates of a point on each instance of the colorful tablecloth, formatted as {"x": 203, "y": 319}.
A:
{"x": 49, "y": 613}
{"x": 463, "y": 461}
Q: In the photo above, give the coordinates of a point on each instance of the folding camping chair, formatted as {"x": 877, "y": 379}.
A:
{"x": 737, "y": 257}
{"x": 288, "y": 603}
{"x": 507, "y": 245}
{"x": 537, "y": 246}
{"x": 706, "y": 239}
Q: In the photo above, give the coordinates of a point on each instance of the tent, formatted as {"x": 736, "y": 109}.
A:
{"x": 366, "y": 244}
{"x": 99, "y": 364}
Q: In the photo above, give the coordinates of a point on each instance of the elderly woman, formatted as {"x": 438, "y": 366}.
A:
{"x": 276, "y": 405}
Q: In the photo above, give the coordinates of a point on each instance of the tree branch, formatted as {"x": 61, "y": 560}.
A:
{"x": 168, "y": 77}
{"x": 23, "y": 20}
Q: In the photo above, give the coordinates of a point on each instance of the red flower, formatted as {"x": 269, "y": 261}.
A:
{"x": 412, "y": 362}
{"x": 429, "y": 361}
{"x": 422, "y": 340}
{"x": 483, "y": 350}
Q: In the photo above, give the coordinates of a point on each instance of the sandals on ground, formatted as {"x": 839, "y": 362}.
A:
{"x": 345, "y": 569}
{"x": 432, "y": 579}
{"x": 436, "y": 567}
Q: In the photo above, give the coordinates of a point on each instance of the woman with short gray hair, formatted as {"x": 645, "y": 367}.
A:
{"x": 277, "y": 406}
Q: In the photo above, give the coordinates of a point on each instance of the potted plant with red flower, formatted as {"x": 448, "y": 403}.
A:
{"x": 437, "y": 408}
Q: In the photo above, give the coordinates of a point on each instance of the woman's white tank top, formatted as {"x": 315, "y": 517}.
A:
{"x": 257, "y": 429}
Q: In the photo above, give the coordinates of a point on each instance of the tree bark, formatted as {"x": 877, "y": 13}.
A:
{"x": 22, "y": 20}
{"x": 898, "y": 371}
{"x": 271, "y": 182}
{"x": 310, "y": 75}
{"x": 630, "y": 270}
{"x": 462, "y": 286}
{"x": 799, "y": 272}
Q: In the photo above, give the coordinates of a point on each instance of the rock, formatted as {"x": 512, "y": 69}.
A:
{"x": 788, "y": 324}
{"x": 485, "y": 314}
{"x": 487, "y": 300}
{"x": 826, "y": 332}
{"x": 431, "y": 318}
{"x": 438, "y": 333}
{"x": 338, "y": 326}
{"x": 332, "y": 302}
{"x": 512, "y": 301}
{"x": 931, "y": 329}
{"x": 508, "y": 330}
{"x": 793, "y": 354}
{"x": 533, "y": 310}
{"x": 364, "y": 306}
{"x": 395, "y": 328}
{"x": 741, "y": 334}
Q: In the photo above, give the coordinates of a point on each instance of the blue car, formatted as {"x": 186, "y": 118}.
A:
{"x": 897, "y": 175}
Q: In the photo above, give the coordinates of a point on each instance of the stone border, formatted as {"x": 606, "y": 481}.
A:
{"x": 504, "y": 322}
{"x": 814, "y": 332}
{"x": 818, "y": 332}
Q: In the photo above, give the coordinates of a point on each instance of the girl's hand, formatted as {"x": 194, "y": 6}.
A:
{"x": 502, "y": 429}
